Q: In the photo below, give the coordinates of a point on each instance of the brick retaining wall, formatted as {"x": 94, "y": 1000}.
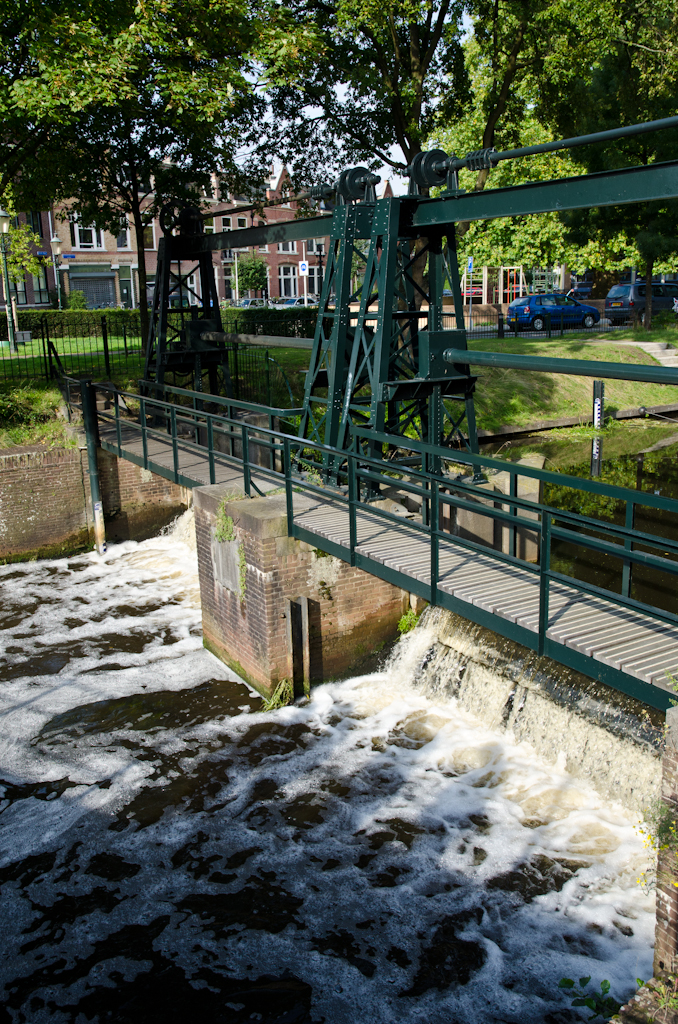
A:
{"x": 45, "y": 507}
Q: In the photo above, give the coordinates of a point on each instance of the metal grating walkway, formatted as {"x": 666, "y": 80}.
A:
{"x": 619, "y": 637}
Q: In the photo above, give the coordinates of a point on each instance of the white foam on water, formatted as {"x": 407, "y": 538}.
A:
{"x": 400, "y": 851}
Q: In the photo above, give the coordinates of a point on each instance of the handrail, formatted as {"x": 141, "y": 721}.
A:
{"x": 214, "y": 399}
{"x": 435, "y": 490}
{"x": 576, "y": 367}
{"x": 545, "y": 475}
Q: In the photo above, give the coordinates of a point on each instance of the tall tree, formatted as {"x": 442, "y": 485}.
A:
{"x": 376, "y": 85}
{"x": 635, "y": 80}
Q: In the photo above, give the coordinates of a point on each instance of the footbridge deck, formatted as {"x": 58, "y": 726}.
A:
{"x": 609, "y": 636}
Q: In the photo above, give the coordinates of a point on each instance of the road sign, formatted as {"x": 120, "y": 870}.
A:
{"x": 469, "y": 265}
{"x": 303, "y": 268}
{"x": 41, "y": 252}
{"x": 68, "y": 257}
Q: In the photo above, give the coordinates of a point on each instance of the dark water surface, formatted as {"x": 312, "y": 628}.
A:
{"x": 168, "y": 853}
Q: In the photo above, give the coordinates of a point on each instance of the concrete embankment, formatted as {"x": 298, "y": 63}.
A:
{"x": 45, "y": 503}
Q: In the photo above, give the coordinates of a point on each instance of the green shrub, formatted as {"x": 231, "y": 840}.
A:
{"x": 76, "y": 300}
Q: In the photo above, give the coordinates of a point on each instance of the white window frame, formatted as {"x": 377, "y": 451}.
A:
{"x": 315, "y": 245}
{"x": 289, "y": 251}
{"x": 287, "y": 272}
{"x": 39, "y": 286}
{"x": 314, "y": 272}
{"x": 97, "y": 236}
{"x": 225, "y": 223}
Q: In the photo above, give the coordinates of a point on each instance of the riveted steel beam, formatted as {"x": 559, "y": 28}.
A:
{"x": 576, "y": 367}
{"x": 608, "y": 188}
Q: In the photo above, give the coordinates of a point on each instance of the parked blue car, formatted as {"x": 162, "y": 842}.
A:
{"x": 529, "y": 312}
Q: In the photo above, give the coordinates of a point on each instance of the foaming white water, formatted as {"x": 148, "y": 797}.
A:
{"x": 406, "y": 861}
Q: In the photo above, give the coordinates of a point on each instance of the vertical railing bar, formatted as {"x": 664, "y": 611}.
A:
{"x": 116, "y": 402}
{"x": 435, "y": 541}
{"x": 627, "y": 570}
{"x": 175, "y": 447}
{"x": 144, "y": 429}
{"x": 513, "y": 493}
{"x": 352, "y": 502}
{"x": 246, "y": 458}
{"x": 287, "y": 469}
{"x": 544, "y": 569}
{"x": 210, "y": 447}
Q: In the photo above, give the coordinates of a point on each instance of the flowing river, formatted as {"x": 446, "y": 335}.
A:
{"x": 169, "y": 853}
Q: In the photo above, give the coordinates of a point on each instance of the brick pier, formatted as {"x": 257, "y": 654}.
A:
{"x": 276, "y": 608}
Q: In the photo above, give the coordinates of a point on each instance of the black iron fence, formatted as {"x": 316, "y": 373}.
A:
{"x": 557, "y": 323}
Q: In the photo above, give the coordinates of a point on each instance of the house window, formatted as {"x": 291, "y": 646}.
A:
{"x": 40, "y": 289}
{"x": 229, "y": 290}
{"x": 209, "y": 225}
{"x": 34, "y": 221}
{"x": 149, "y": 242}
{"x": 85, "y": 237}
{"x": 315, "y": 280}
{"x": 20, "y": 292}
{"x": 225, "y": 223}
{"x": 287, "y": 246}
{"x": 123, "y": 235}
{"x": 242, "y": 222}
{"x": 315, "y": 245}
{"x": 287, "y": 279}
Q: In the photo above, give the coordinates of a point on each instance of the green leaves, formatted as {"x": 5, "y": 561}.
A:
{"x": 601, "y": 1004}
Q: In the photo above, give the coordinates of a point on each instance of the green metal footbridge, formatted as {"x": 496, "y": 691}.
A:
{"x": 388, "y": 413}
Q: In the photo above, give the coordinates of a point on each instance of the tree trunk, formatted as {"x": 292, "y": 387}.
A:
{"x": 141, "y": 260}
{"x": 648, "y": 294}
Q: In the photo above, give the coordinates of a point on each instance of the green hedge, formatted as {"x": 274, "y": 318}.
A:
{"x": 286, "y": 322}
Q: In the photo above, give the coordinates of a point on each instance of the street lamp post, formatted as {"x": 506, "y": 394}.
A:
{"x": 55, "y": 243}
{"x": 4, "y": 230}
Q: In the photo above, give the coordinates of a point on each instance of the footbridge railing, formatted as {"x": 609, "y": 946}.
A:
{"x": 421, "y": 543}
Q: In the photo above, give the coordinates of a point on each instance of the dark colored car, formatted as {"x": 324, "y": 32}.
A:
{"x": 626, "y": 300}
{"x": 531, "y": 311}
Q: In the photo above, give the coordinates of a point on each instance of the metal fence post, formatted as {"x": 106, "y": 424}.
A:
{"x": 548, "y": 325}
{"x": 500, "y": 325}
{"x": 104, "y": 338}
{"x": 44, "y": 330}
{"x": 91, "y": 425}
{"x": 562, "y": 329}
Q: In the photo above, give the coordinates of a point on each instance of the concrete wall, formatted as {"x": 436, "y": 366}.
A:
{"x": 248, "y": 582}
{"x": 45, "y": 508}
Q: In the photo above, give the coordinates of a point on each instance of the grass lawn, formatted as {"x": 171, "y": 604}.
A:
{"x": 510, "y": 397}
{"x": 518, "y": 398}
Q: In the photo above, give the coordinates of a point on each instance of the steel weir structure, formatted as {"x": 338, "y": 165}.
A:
{"x": 388, "y": 404}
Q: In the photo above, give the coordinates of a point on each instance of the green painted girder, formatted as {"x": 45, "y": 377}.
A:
{"x": 575, "y": 367}
{"x": 607, "y": 188}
